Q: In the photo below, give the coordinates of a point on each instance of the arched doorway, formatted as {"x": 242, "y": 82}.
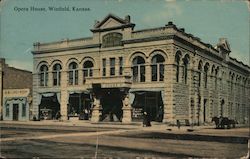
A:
{"x": 111, "y": 101}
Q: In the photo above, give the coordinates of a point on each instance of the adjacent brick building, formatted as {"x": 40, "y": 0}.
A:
{"x": 119, "y": 72}
{"x": 16, "y": 91}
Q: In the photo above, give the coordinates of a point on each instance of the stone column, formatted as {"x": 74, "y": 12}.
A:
{"x": 169, "y": 80}
{"x": 148, "y": 73}
{"x": 97, "y": 108}
{"x": 64, "y": 95}
{"x": 1, "y": 88}
{"x": 50, "y": 79}
{"x": 80, "y": 77}
{"x": 35, "y": 96}
{"x": 127, "y": 114}
{"x": 117, "y": 66}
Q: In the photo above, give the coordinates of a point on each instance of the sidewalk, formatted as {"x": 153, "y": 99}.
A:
{"x": 156, "y": 126}
{"x": 133, "y": 125}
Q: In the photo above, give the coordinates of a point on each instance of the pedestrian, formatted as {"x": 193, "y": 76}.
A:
{"x": 144, "y": 122}
{"x": 86, "y": 114}
{"x": 148, "y": 120}
{"x": 178, "y": 124}
{"x": 58, "y": 115}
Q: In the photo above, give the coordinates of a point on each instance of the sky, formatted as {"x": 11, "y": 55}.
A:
{"x": 207, "y": 19}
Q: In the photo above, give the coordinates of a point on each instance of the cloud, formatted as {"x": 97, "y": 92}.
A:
{"x": 170, "y": 9}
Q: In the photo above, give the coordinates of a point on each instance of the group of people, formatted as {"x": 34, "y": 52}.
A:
{"x": 146, "y": 120}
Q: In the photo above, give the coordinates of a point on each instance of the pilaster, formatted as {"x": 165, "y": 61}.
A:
{"x": 96, "y": 111}
{"x": 127, "y": 114}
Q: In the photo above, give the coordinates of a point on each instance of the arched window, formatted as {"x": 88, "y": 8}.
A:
{"x": 157, "y": 68}
{"x": 138, "y": 69}
{"x": 73, "y": 73}
{"x": 206, "y": 74}
{"x": 232, "y": 82}
{"x": 88, "y": 69}
{"x": 199, "y": 73}
{"x": 43, "y": 75}
{"x": 185, "y": 68}
{"x": 57, "y": 74}
{"x": 177, "y": 62}
{"x": 112, "y": 39}
{"x": 216, "y": 77}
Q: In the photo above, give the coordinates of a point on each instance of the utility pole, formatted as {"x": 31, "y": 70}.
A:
{"x": 2, "y": 62}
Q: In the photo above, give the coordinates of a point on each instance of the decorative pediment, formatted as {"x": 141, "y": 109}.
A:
{"x": 112, "y": 22}
{"x": 223, "y": 45}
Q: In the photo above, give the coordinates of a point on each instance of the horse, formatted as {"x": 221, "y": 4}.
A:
{"x": 233, "y": 122}
{"x": 223, "y": 121}
{"x": 216, "y": 121}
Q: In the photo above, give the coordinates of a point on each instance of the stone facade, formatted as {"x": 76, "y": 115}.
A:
{"x": 16, "y": 87}
{"x": 164, "y": 71}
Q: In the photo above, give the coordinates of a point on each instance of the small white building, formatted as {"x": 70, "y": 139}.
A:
{"x": 16, "y": 93}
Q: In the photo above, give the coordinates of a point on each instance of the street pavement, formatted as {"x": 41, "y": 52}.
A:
{"x": 82, "y": 139}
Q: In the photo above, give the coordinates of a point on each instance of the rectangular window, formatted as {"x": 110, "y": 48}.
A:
{"x": 135, "y": 73}
{"x": 7, "y": 111}
{"x": 85, "y": 73}
{"x": 154, "y": 72}
{"x": 42, "y": 79}
{"x": 76, "y": 77}
{"x": 142, "y": 73}
{"x": 55, "y": 78}
{"x": 46, "y": 79}
{"x": 103, "y": 67}
{"x": 112, "y": 66}
{"x": 161, "y": 72}
{"x": 23, "y": 110}
{"x": 70, "y": 77}
{"x": 121, "y": 65}
{"x": 205, "y": 80}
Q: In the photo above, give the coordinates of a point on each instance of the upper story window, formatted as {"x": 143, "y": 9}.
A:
{"x": 112, "y": 39}
{"x": 177, "y": 62}
{"x": 73, "y": 73}
{"x": 199, "y": 73}
{"x": 43, "y": 75}
{"x": 138, "y": 69}
{"x": 216, "y": 78}
{"x": 112, "y": 66}
{"x": 206, "y": 67}
{"x": 88, "y": 69}
{"x": 157, "y": 68}
{"x": 57, "y": 74}
{"x": 103, "y": 67}
{"x": 120, "y": 65}
{"x": 185, "y": 68}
